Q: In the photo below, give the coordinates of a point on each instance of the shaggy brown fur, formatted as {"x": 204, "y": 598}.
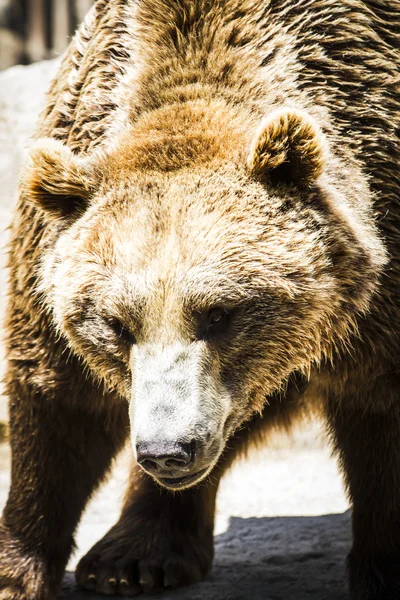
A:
{"x": 193, "y": 154}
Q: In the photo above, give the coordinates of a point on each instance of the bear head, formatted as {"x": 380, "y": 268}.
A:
{"x": 196, "y": 263}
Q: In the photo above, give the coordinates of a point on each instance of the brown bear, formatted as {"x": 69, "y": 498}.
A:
{"x": 206, "y": 246}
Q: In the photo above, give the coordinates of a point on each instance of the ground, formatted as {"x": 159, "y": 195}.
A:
{"x": 282, "y": 529}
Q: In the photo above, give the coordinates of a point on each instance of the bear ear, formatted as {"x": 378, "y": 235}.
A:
{"x": 56, "y": 180}
{"x": 289, "y": 147}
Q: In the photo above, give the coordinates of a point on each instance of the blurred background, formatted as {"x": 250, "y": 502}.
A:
{"x": 33, "y": 30}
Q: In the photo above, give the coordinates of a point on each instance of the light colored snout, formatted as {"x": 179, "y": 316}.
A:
{"x": 177, "y": 401}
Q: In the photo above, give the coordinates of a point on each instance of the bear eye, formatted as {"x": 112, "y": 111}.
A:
{"x": 214, "y": 323}
{"x": 216, "y": 317}
{"x": 121, "y": 330}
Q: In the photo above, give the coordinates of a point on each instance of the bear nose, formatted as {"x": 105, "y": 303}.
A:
{"x": 156, "y": 456}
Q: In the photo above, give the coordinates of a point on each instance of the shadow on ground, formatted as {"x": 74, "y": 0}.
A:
{"x": 283, "y": 558}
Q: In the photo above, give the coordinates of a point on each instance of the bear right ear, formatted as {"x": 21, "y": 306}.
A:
{"x": 289, "y": 147}
{"x": 56, "y": 180}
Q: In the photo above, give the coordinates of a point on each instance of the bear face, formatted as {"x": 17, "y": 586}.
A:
{"x": 196, "y": 288}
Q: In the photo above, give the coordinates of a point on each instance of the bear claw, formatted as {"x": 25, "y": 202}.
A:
{"x": 129, "y": 576}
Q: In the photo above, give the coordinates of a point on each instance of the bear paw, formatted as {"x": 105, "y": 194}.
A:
{"x": 145, "y": 564}
{"x": 22, "y": 576}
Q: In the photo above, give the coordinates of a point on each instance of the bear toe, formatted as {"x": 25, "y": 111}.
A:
{"x": 129, "y": 576}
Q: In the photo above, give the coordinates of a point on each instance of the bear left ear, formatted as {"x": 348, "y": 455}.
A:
{"x": 288, "y": 147}
{"x": 56, "y": 180}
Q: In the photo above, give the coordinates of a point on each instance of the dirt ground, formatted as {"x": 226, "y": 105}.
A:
{"x": 282, "y": 530}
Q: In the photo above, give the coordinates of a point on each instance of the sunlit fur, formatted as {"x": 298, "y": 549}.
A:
{"x": 192, "y": 154}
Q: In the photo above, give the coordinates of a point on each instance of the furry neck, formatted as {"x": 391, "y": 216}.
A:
{"x": 197, "y": 49}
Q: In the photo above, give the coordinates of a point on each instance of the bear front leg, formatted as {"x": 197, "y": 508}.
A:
{"x": 368, "y": 441}
{"x": 59, "y": 454}
{"x": 162, "y": 539}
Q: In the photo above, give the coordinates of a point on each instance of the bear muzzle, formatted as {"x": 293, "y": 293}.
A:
{"x": 178, "y": 410}
{"x": 174, "y": 465}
